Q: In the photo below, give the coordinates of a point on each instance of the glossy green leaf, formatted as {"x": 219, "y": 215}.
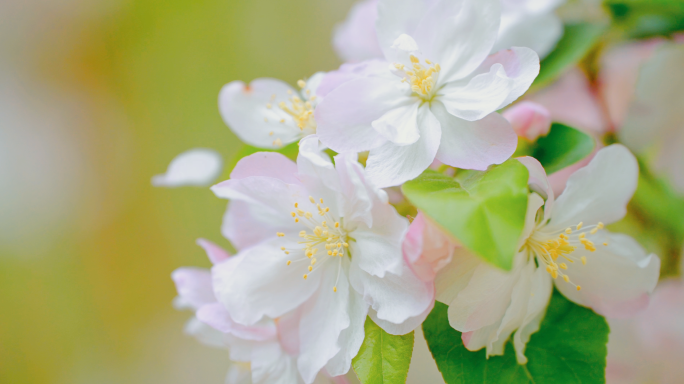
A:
{"x": 577, "y": 41}
{"x": 647, "y": 18}
{"x": 291, "y": 151}
{"x": 563, "y": 146}
{"x": 569, "y": 348}
{"x": 383, "y": 358}
{"x": 484, "y": 211}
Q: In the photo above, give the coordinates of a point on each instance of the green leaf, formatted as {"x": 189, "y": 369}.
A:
{"x": 484, "y": 211}
{"x": 563, "y": 146}
{"x": 569, "y": 348}
{"x": 577, "y": 41}
{"x": 291, "y": 151}
{"x": 383, "y": 358}
{"x": 647, "y": 18}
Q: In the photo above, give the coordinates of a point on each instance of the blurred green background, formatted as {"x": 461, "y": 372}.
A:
{"x": 98, "y": 96}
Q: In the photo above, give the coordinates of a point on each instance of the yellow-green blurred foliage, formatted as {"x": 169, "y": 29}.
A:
{"x": 85, "y": 288}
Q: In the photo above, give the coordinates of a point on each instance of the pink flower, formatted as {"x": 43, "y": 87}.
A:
{"x": 436, "y": 94}
{"x": 296, "y": 226}
{"x": 529, "y": 120}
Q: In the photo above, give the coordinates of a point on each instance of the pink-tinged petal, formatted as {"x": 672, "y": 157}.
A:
{"x": 348, "y": 72}
{"x": 426, "y": 248}
{"x": 288, "y": 331}
{"x": 536, "y": 308}
{"x": 344, "y": 117}
{"x": 246, "y": 224}
{"x": 394, "y": 297}
{"x": 215, "y": 253}
{"x": 616, "y": 279}
{"x": 217, "y": 316}
{"x": 458, "y": 34}
{"x": 355, "y": 39}
{"x": 351, "y": 338}
{"x": 324, "y": 317}
{"x": 619, "y": 73}
{"x": 193, "y": 286}
{"x": 257, "y": 282}
{"x": 198, "y": 167}
{"x": 529, "y": 120}
{"x": 359, "y": 195}
{"x": 538, "y": 30}
{"x": 472, "y": 99}
{"x": 266, "y": 164}
{"x": 572, "y": 101}
{"x": 390, "y": 164}
{"x": 409, "y": 325}
{"x": 399, "y": 125}
{"x": 245, "y": 109}
{"x": 598, "y": 192}
{"x": 474, "y": 144}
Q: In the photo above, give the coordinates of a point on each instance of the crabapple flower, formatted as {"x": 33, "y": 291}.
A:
{"x": 269, "y": 113}
{"x": 564, "y": 242}
{"x": 263, "y": 353}
{"x": 436, "y": 95}
{"x": 199, "y": 167}
{"x": 648, "y": 348}
{"x": 529, "y": 120}
{"x": 524, "y": 23}
{"x": 319, "y": 239}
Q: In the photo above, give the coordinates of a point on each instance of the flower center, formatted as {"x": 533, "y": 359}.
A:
{"x": 422, "y": 79}
{"x": 300, "y": 110}
{"x": 549, "y": 248}
{"x": 324, "y": 233}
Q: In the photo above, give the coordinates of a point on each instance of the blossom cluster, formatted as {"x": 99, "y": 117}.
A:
{"x": 327, "y": 243}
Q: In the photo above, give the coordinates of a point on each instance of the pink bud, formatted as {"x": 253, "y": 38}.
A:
{"x": 529, "y": 120}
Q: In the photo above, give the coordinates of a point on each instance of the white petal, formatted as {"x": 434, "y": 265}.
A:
{"x": 478, "y": 97}
{"x": 399, "y": 125}
{"x": 455, "y": 276}
{"x": 266, "y": 164}
{"x": 395, "y": 298}
{"x": 359, "y": 195}
{"x": 194, "y": 287}
{"x": 355, "y": 39}
{"x": 476, "y": 144}
{"x": 539, "y": 183}
{"x": 536, "y": 308}
{"x": 318, "y": 174}
{"x": 409, "y": 325}
{"x": 617, "y": 278}
{"x": 205, "y": 334}
{"x": 257, "y": 282}
{"x": 521, "y": 66}
{"x": 245, "y": 109}
{"x": 247, "y": 224}
{"x": 270, "y": 364}
{"x": 458, "y": 34}
{"x": 598, "y": 192}
{"x": 378, "y": 250}
{"x": 239, "y": 374}
{"x": 198, "y": 167}
{"x": 397, "y": 17}
{"x": 351, "y": 338}
{"x": 390, "y": 165}
{"x": 484, "y": 300}
{"x": 539, "y": 32}
{"x": 324, "y": 317}
{"x": 344, "y": 117}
